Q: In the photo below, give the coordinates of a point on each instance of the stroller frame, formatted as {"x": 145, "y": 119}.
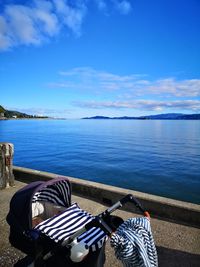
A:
{"x": 105, "y": 221}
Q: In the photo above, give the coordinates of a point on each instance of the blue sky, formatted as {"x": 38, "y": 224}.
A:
{"x": 73, "y": 59}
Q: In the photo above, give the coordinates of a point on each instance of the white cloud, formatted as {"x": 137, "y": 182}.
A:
{"x": 150, "y": 105}
{"x": 27, "y": 25}
{"x": 5, "y": 41}
{"x": 49, "y": 21}
{"x": 171, "y": 86}
{"x": 20, "y": 25}
{"x": 132, "y": 91}
{"x": 129, "y": 86}
{"x": 38, "y": 20}
{"x": 70, "y": 16}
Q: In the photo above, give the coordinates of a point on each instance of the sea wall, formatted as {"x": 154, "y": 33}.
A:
{"x": 159, "y": 207}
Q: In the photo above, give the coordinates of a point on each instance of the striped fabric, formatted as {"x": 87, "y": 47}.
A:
{"x": 62, "y": 226}
{"x": 58, "y": 193}
{"x": 134, "y": 245}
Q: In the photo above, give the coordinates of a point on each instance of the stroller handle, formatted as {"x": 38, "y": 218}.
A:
{"x": 121, "y": 202}
{"x": 98, "y": 221}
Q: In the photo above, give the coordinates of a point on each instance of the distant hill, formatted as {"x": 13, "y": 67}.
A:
{"x": 173, "y": 116}
{"x": 2, "y": 110}
{"x": 168, "y": 116}
{"x": 97, "y": 118}
{"x": 8, "y": 114}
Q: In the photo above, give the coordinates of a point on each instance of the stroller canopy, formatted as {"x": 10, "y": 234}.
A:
{"x": 56, "y": 191}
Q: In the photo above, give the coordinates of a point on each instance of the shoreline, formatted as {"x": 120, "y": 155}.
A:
{"x": 26, "y": 118}
{"x": 100, "y": 119}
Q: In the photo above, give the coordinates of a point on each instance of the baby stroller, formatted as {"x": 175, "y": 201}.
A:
{"x": 52, "y": 231}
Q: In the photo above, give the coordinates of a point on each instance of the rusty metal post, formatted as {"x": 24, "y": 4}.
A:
{"x": 6, "y": 165}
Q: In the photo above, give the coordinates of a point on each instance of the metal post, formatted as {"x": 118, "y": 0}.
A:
{"x": 6, "y": 165}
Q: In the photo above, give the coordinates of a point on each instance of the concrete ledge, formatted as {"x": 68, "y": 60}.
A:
{"x": 160, "y": 207}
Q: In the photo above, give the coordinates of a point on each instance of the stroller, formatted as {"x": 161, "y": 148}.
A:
{"x": 46, "y": 226}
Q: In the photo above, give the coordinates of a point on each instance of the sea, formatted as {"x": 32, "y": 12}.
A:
{"x": 160, "y": 157}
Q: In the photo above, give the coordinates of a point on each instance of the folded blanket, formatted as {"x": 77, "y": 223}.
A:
{"x": 134, "y": 245}
{"x": 62, "y": 226}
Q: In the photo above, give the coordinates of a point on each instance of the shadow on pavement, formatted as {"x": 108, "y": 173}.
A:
{"x": 175, "y": 258}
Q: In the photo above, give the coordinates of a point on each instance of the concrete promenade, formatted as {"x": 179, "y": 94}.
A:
{"x": 178, "y": 243}
{"x": 159, "y": 207}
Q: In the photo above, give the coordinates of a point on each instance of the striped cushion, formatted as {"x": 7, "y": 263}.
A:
{"x": 58, "y": 193}
{"x": 134, "y": 245}
{"x": 62, "y": 226}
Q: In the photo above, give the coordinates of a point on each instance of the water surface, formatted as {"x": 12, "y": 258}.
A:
{"x": 158, "y": 157}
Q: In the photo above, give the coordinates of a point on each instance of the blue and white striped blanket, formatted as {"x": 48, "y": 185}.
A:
{"x": 60, "y": 227}
{"x": 134, "y": 245}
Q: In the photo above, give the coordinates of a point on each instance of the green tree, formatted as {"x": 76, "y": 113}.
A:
{"x": 2, "y": 110}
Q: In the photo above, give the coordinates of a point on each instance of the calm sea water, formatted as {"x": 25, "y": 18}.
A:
{"x": 158, "y": 157}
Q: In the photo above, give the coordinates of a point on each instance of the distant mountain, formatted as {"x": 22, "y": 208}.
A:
{"x": 190, "y": 117}
{"x": 168, "y": 116}
{"x": 97, "y": 118}
{"x": 8, "y": 114}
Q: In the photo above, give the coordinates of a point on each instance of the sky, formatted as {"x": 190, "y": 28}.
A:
{"x": 74, "y": 59}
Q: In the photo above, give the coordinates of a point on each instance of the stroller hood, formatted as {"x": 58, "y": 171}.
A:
{"x": 20, "y": 213}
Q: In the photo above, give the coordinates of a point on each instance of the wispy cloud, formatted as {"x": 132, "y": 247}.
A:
{"x": 150, "y": 105}
{"x": 50, "y": 112}
{"x": 101, "y": 4}
{"x": 131, "y": 91}
{"x": 128, "y": 86}
{"x": 36, "y": 21}
{"x": 124, "y": 6}
{"x": 178, "y": 88}
{"x": 90, "y": 79}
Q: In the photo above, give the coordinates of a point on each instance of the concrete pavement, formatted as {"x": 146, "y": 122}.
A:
{"x": 177, "y": 244}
